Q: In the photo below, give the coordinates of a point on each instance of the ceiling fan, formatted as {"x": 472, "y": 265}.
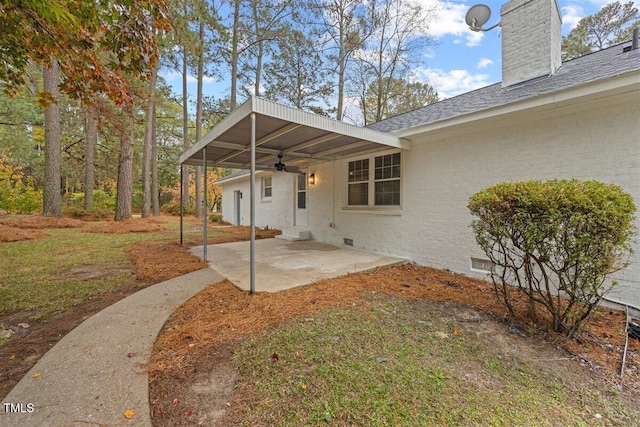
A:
{"x": 281, "y": 167}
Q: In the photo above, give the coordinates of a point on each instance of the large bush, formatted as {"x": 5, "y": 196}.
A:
{"x": 558, "y": 241}
{"x": 17, "y": 192}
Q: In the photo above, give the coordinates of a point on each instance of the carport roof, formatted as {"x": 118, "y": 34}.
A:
{"x": 303, "y": 138}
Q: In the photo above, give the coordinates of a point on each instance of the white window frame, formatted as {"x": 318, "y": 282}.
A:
{"x": 371, "y": 182}
{"x": 264, "y": 187}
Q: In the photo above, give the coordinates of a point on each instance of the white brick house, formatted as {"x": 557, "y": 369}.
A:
{"x": 408, "y": 196}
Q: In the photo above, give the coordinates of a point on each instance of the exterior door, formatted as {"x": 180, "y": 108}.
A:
{"x": 301, "y": 213}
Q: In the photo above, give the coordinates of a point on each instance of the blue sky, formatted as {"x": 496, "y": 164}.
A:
{"x": 465, "y": 60}
{"x": 461, "y": 61}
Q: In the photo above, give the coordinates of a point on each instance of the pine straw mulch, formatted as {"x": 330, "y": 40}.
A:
{"x": 38, "y": 222}
{"x": 163, "y": 260}
{"x": 222, "y": 315}
{"x": 156, "y": 262}
{"x": 132, "y": 225}
{"x": 13, "y": 234}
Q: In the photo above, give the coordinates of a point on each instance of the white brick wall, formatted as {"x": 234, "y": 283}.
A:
{"x": 276, "y": 212}
{"x": 439, "y": 176}
{"x": 531, "y": 39}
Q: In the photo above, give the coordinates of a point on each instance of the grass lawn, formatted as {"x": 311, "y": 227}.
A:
{"x": 47, "y": 275}
{"x": 393, "y": 362}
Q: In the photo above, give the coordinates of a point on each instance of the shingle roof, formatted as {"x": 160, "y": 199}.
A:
{"x": 606, "y": 63}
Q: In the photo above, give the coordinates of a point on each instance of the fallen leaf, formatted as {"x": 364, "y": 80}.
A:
{"x": 456, "y": 331}
{"x": 303, "y": 386}
{"x": 274, "y": 357}
{"x": 132, "y": 354}
{"x": 36, "y": 375}
{"x": 129, "y": 413}
{"x": 176, "y": 401}
{"x": 13, "y": 356}
{"x": 188, "y": 413}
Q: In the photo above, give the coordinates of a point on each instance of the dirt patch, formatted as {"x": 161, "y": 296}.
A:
{"x": 92, "y": 271}
{"x": 42, "y": 222}
{"x": 134, "y": 225}
{"x": 222, "y": 314}
{"x": 13, "y": 234}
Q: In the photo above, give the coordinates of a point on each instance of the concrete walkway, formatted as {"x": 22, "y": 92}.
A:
{"x": 96, "y": 372}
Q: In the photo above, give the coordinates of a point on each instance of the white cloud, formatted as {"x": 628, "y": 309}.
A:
{"x": 448, "y": 19}
{"x": 484, "y": 63}
{"x": 170, "y": 75}
{"x": 452, "y": 83}
{"x": 571, "y": 15}
{"x": 205, "y": 79}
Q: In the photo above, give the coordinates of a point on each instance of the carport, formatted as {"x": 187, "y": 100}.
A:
{"x": 255, "y": 134}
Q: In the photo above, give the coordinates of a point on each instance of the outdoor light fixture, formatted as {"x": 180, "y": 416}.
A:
{"x": 312, "y": 179}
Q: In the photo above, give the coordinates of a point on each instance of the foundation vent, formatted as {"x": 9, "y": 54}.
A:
{"x": 348, "y": 242}
{"x": 479, "y": 264}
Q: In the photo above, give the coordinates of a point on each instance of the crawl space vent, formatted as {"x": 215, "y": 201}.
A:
{"x": 348, "y": 242}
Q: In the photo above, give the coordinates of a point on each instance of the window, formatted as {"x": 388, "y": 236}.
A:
{"x": 387, "y": 180}
{"x": 383, "y": 181}
{"x": 359, "y": 183}
{"x": 301, "y": 191}
{"x": 267, "y": 188}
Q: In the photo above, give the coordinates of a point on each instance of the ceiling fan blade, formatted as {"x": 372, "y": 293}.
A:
{"x": 292, "y": 169}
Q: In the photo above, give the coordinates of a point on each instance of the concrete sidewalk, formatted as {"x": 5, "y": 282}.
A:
{"x": 96, "y": 372}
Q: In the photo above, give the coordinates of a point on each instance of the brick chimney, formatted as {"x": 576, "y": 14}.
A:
{"x": 531, "y": 40}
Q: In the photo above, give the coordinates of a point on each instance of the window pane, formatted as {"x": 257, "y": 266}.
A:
{"x": 359, "y": 170}
{"x": 358, "y": 194}
{"x": 302, "y": 199}
{"x": 387, "y": 193}
{"x": 267, "y": 192}
{"x": 302, "y": 181}
{"x": 267, "y": 181}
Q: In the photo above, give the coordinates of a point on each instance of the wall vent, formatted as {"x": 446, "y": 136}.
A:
{"x": 348, "y": 242}
{"x": 479, "y": 264}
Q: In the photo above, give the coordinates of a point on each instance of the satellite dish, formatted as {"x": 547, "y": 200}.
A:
{"x": 477, "y": 16}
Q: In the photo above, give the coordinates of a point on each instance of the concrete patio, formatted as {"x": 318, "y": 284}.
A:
{"x": 281, "y": 264}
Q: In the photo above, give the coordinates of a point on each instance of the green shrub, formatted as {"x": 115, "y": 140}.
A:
{"x": 17, "y": 192}
{"x": 559, "y": 241}
{"x": 174, "y": 209}
{"x": 215, "y": 217}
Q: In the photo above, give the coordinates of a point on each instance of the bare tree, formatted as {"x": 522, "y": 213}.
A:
{"x": 343, "y": 22}
{"x": 398, "y": 35}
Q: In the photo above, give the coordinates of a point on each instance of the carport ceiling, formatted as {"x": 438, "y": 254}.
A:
{"x": 302, "y": 138}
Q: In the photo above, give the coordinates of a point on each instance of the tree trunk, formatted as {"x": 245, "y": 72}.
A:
{"x": 91, "y": 130}
{"x": 52, "y": 197}
{"x": 199, "y": 197}
{"x": 234, "y": 55}
{"x": 185, "y": 129}
{"x": 155, "y": 194}
{"x": 146, "y": 148}
{"x": 125, "y": 173}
